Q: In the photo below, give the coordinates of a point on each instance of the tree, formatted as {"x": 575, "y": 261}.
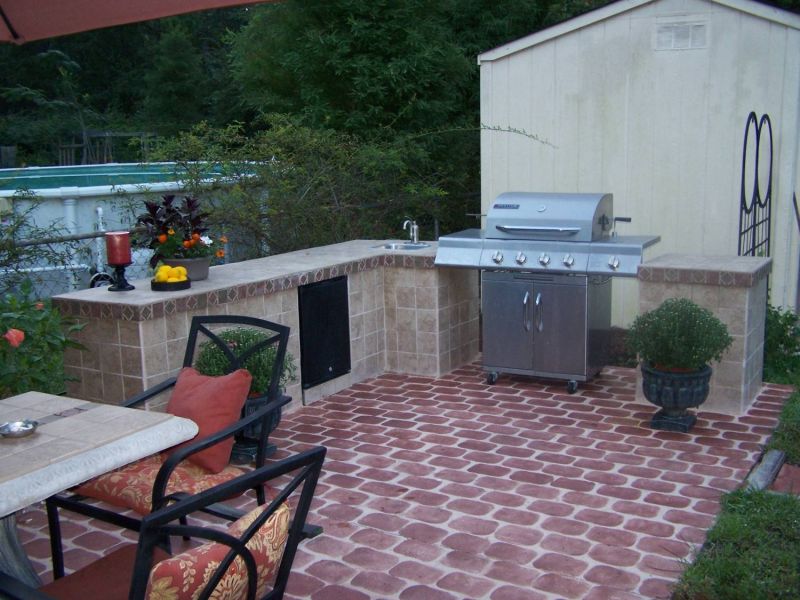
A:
{"x": 353, "y": 65}
{"x": 174, "y": 86}
{"x": 289, "y": 187}
{"x": 384, "y": 70}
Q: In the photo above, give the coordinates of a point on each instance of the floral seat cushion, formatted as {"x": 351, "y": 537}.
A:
{"x": 183, "y": 576}
{"x": 132, "y": 485}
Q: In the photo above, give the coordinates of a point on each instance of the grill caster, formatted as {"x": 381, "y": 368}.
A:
{"x": 491, "y": 377}
{"x": 572, "y": 386}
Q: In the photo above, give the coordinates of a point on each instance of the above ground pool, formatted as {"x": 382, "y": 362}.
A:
{"x": 85, "y": 199}
{"x": 91, "y": 180}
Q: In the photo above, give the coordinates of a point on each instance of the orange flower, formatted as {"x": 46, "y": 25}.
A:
{"x": 220, "y": 253}
{"x": 171, "y": 231}
{"x": 188, "y": 243}
{"x": 14, "y": 337}
{"x": 196, "y": 237}
{"x": 39, "y": 306}
{"x": 162, "y": 238}
{"x": 223, "y": 239}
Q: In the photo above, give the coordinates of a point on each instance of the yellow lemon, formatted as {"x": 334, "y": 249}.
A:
{"x": 160, "y": 277}
{"x": 181, "y": 270}
{"x": 173, "y": 279}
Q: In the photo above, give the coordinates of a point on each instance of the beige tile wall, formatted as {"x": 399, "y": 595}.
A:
{"x": 404, "y": 319}
{"x": 432, "y": 318}
{"x": 122, "y": 358}
{"x": 735, "y": 290}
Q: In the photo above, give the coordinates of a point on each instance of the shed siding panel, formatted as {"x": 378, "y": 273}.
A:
{"x": 660, "y": 129}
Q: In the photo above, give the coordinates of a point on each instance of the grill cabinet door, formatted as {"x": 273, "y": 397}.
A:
{"x": 559, "y": 326}
{"x": 507, "y": 321}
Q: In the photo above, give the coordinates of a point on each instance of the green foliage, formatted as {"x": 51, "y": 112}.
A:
{"x": 679, "y": 334}
{"x": 323, "y": 186}
{"x": 211, "y": 360}
{"x": 37, "y": 363}
{"x": 15, "y": 254}
{"x": 43, "y": 116}
{"x": 402, "y": 72}
{"x": 782, "y": 346}
{"x": 174, "y": 84}
{"x": 751, "y": 552}
{"x": 786, "y": 436}
{"x": 353, "y": 65}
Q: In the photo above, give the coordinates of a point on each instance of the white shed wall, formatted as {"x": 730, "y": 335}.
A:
{"x": 660, "y": 129}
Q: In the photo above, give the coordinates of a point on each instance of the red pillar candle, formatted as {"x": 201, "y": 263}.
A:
{"x": 118, "y": 248}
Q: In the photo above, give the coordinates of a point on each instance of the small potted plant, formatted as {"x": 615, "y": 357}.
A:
{"x": 675, "y": 342}
{"x": 212, "y": 361}
{"x": 177, "y": 233}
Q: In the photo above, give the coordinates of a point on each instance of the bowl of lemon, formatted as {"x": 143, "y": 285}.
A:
{"x": 170, "y": 279}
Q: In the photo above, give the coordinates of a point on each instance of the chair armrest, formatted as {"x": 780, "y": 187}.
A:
{"x": 164, "y": 473}
{"x": 149, "y": 393}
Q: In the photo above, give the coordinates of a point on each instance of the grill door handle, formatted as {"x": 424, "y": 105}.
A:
{"x": 526, "y": 322}
{"x": 538, "y": 312}
{"x": 532, "y": 229}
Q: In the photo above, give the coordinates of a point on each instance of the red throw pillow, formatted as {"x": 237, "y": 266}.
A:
{"x": 213, "y": 403}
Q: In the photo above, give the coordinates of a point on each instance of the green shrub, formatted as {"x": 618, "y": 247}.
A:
{"x": 212, "y": 361}
{"x": 781, "y": 346}
{"x": 679, "y": 334}
{"x": 34, "y": 358}
{"x": 786, "y": 436}
{"x": 751, "y": 552}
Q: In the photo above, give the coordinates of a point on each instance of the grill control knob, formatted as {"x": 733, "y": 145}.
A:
{"x": 569, "y": 260}
{"x": 613, "y": 263}
{"x": 521, "y": 258}
{"x": 544, "y": 259}
{"x": 497, "y": 257}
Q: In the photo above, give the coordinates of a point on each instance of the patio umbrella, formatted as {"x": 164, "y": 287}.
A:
{"x": 28, "y": 20}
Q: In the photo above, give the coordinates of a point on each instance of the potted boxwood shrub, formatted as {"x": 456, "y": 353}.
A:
{"x": 675, "y": 342}
{"x": 212, "y": 361}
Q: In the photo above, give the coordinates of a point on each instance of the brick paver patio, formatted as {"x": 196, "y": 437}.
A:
{"x": 449, "y": 488}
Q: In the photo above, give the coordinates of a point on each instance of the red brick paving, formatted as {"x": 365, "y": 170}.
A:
{"x": 449, "y": 488}
{"x": 788, "y": 480}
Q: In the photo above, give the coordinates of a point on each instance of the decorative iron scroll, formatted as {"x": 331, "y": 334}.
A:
{"x": 755, "y": 211}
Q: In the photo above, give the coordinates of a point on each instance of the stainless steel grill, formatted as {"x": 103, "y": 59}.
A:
{"x": 547, "y": 260}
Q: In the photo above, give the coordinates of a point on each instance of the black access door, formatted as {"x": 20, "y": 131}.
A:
{"x": 324, "y": 331}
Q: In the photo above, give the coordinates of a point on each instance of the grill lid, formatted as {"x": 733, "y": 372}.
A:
{"x": 543, "y": 216}
{"x": 557, "y": 233}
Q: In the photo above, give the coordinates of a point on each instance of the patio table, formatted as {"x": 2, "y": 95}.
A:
{"x": 75, "y": 441}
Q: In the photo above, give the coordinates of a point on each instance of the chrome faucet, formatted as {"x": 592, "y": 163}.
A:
{"x": 413, "y": 230}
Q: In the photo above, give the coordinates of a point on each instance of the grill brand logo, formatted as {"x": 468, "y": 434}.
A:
{"x": 506, "y": 206}
{"x": 541, "y": 209}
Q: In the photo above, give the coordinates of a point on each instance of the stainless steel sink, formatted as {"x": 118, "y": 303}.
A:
{"x": 404, "y": 246}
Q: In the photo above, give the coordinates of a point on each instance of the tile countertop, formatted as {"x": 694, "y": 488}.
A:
{"x": 281, "y": 271}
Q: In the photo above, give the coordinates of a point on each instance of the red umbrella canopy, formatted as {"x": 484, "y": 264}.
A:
{"x": 28, "y": 20}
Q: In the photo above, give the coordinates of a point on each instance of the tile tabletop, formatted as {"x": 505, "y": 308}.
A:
{"x": 75, "y": 441}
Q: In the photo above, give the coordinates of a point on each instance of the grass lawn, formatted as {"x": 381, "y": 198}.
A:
{"x": 753, "y": 550}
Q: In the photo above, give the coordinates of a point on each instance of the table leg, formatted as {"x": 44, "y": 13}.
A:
{"x": 13, "y": 560}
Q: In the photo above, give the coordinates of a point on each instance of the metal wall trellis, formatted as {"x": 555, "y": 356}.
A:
{"x": 755, "y": 210}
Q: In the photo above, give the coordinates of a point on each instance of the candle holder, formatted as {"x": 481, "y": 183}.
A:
{"x": 120, "y": 283}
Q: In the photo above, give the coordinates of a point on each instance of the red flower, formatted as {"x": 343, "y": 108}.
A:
{"x": 39, "y": 306}
{"x": 14, "y": 337}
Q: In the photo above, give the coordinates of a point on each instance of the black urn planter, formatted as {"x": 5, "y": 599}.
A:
{"x": 675, "y": 393}
{"x": 246, "y": 442}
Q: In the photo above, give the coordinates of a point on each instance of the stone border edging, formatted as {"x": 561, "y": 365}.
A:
{"x": 765, "y": 472}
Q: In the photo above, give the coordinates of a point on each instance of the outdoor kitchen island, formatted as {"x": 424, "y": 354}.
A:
{"x": 405, "y": 315}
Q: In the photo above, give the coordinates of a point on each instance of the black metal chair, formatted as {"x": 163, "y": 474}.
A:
{"x": 169, "y": 478}
{"x": 249, "y": 559}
